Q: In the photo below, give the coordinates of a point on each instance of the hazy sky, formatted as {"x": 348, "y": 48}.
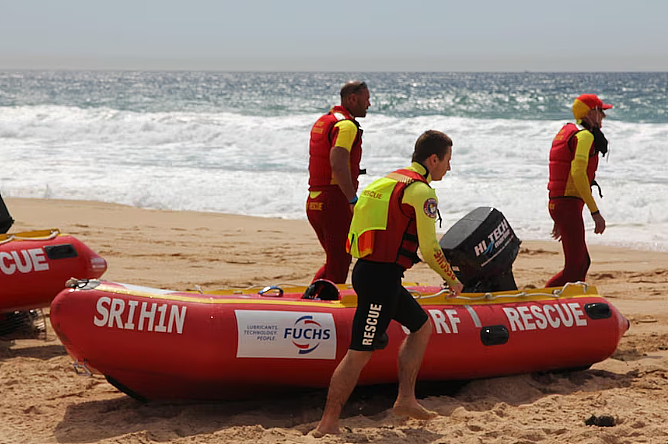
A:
{"x": 413, "y": 35}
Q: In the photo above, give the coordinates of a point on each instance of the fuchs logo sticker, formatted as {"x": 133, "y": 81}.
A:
{"x": 285, "y": 334}
{"x": 430, "y": 208}
{"x": 307, "y": 334}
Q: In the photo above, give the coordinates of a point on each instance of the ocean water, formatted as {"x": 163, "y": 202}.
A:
{"x": 237, "y": 142}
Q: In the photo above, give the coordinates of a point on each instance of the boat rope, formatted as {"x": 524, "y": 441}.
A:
{"x": 556, "y": 293}
{"x": 277, "y": 291}
{"x": 82, "y": 284}
{"x": 21, "y": 236}
{"x": 257, "y": 288}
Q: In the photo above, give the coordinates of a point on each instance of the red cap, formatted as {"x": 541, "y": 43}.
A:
{"x": 586, "y": 102}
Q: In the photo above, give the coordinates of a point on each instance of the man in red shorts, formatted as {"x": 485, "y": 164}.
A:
{"x": 573, "y": 163}
{"x": 335, "y": 151}
{"x": 395, "y": 216}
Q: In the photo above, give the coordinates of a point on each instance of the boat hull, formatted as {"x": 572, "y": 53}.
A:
{"x": 34, "y": 267}
{"x": 157, "y": 344}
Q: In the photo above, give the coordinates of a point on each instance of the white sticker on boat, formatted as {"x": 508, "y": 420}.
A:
{"x": 285, "y": 334}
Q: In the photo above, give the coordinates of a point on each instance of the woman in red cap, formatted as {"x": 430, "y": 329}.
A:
{"x": 573, "y": 163}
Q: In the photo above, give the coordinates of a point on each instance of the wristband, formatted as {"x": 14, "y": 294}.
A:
{"x": 353, "y": 201}
{"x": 595, "y": 213}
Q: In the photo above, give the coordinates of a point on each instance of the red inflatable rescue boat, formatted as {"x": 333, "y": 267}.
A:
{"x": 35, "y": 265}
{"x": 159, "y": 344}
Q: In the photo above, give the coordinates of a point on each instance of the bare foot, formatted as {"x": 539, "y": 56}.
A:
{"x": 320, "y": 432}
{"x": 415, "y": 411}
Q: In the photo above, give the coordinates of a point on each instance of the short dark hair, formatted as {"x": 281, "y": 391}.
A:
{"x": 431, "y": 142}
{"x": 352, "y": 87}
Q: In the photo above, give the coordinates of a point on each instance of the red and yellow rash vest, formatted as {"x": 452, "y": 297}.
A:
{"x": 336, "y": 128}
{"x": 573, "y": 164}
{"x": 393, "y": 216}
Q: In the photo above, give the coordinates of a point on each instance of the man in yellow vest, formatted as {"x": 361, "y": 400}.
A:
{"x": 394, "y": 216}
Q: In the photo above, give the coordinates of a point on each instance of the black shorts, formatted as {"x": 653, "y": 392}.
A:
{"x": 381, "y": 298}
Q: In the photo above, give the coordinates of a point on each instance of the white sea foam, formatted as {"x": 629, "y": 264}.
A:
{"x": 255, "y": 165}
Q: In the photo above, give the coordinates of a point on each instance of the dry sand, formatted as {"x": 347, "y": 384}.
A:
{"x": 43, "y": 401}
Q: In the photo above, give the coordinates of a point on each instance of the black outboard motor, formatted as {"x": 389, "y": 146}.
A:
{"x": 6, "y": 220}
{"x": 481, "y": 248}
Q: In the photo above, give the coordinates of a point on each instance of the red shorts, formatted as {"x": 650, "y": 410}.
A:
{"x": 330, "y": 215}
{"x": 567, "y": 215}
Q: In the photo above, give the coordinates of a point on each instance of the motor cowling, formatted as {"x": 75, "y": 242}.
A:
{"x": 481, "y": 248}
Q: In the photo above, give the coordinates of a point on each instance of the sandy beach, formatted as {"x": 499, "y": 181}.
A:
{"x": 44, "y": 401}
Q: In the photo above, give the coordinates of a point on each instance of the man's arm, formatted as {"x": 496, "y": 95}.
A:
{"x": 423, "y": 199}
{"x": 585, "y": 139}
{"x": 339, "y": 159}
{"x": 344, "y": 135}
{"x": 579, "y": 169}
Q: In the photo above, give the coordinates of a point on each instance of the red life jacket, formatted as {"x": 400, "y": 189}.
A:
{"x": 398, "y": 243}
{"x": 562, "y": 154}
{"x": 319, "y": 167}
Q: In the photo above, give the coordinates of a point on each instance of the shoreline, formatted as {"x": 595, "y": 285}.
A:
{"x": 37, "y": 213}
{"x": 238, "y": 258}
{"x": 592, "y": 240}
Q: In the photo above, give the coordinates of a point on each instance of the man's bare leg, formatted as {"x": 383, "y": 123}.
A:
{"x": 410, "y": 357}
{"x": 341, "y": 386}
